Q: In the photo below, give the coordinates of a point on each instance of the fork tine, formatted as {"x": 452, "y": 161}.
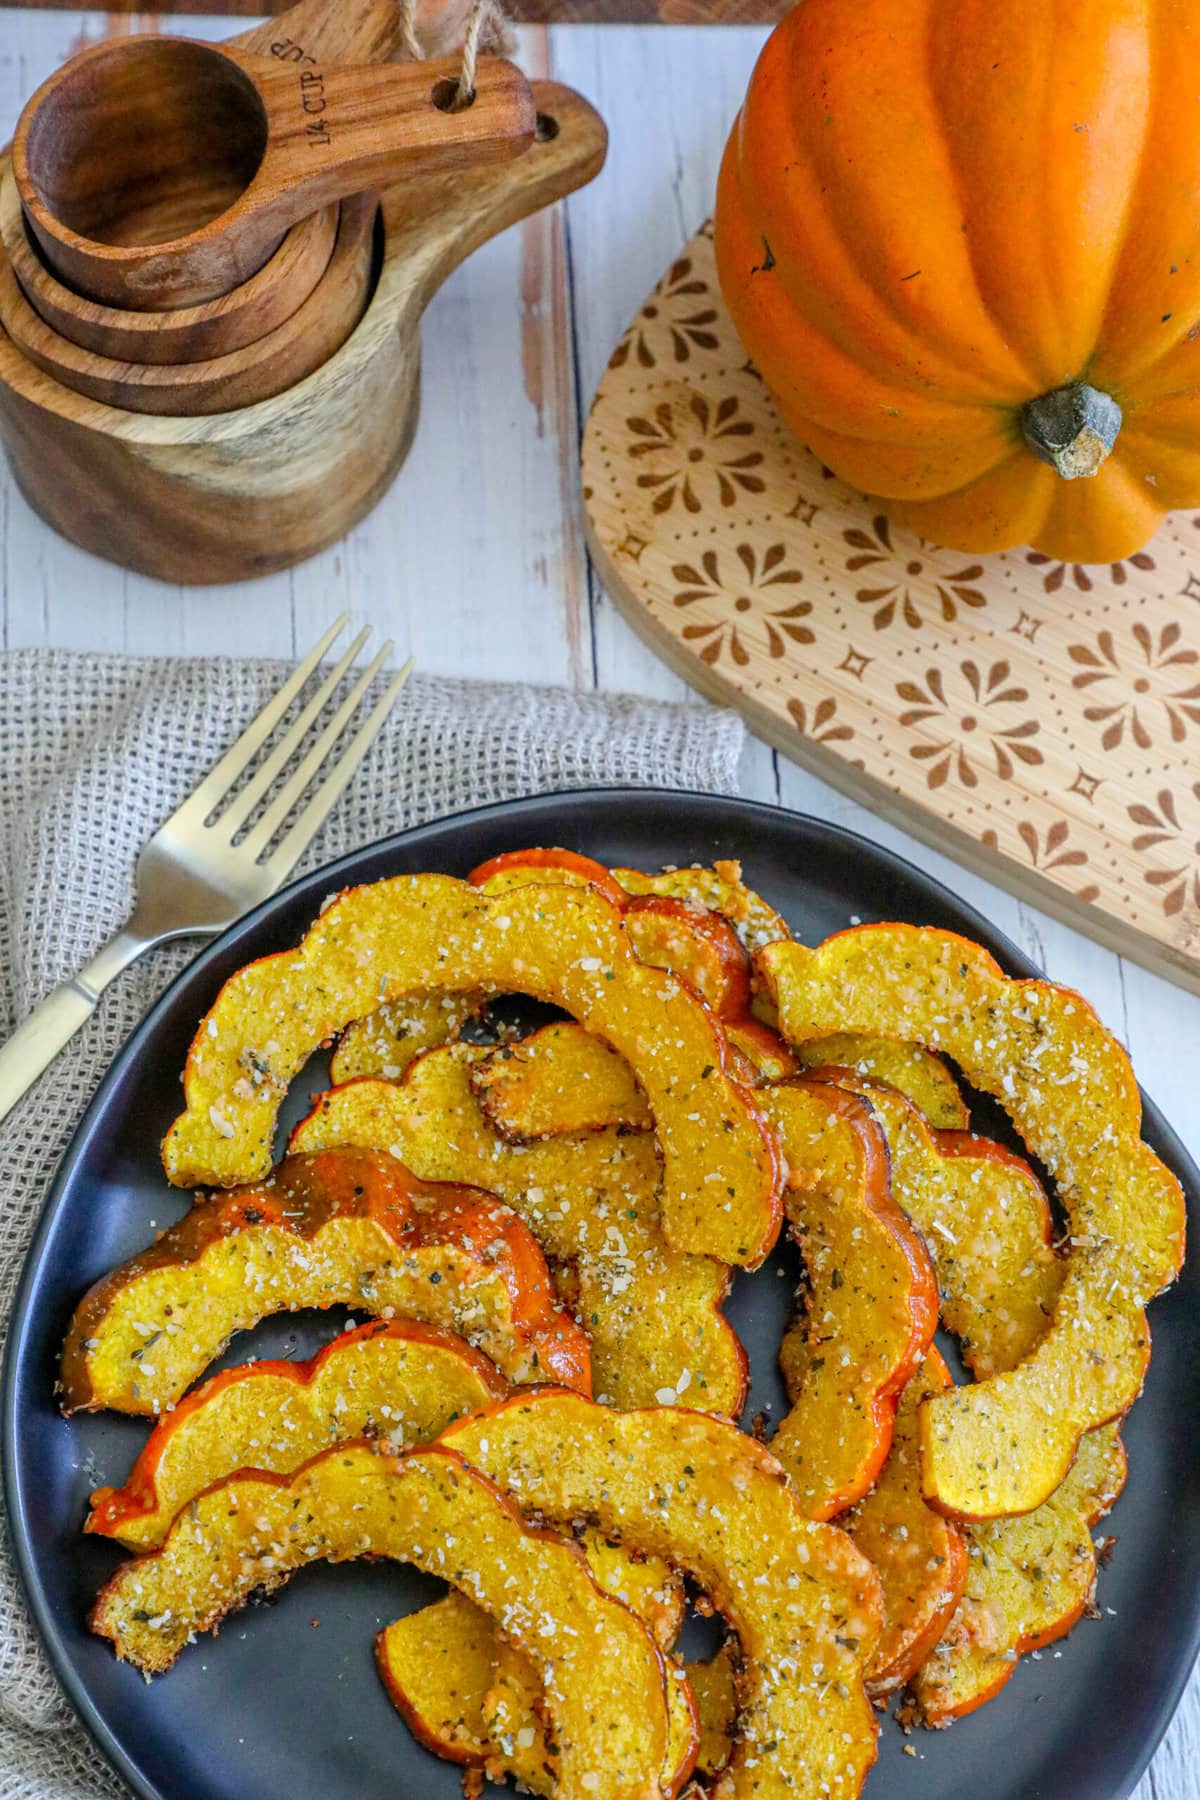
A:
{"x": 256, "y": 840}
{"x": 292, "y": 847}
{"x": 232, "y": 820}
{"x": 219, "y": 780}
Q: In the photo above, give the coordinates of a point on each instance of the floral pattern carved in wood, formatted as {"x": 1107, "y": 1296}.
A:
{"x": 1048, "y": 713}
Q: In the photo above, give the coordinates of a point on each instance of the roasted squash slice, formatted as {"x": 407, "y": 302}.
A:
{"x": 387, "y": 1040}
{"x": 871, "y": 1306}
{"x": 653, "y": 1314}
{"x": 513, "y": 1705}
{"x": 722, "y": 890}
{"x": 761, "y": 1050}
{"x": 437, "y": 1667}
{"x": 561, "y": 1079}
{"x": 714, "y": 1503}
{"x": 1029, "y": 1579}
{"x": 530, "y": 867}
{"x": 558, "y": 1081}
{"x": 714, "y": 1687}
{"x": 670, "y": 933}
{"x": 399, "y": 1381}
{"x": 695, "y": 944}
{"x": 603, "y": 1681}
{"x": 986, "y": 1221}
{"x": 918, "y": 1073}
{"x": 703, "y": 946}
{"x": 476, "y": 1699}
{"x": 345, "y": 1227}
{"x": 920, "y": 1557}
{"x": 1004, "y": 1444}
{"x": 1026, "y": 1575}
{"x": 563, "y": 944}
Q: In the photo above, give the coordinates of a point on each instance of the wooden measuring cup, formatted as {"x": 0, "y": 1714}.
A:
{"x": 161, "y": 172}
{"x": 242, "y": 492}
{"x": 276, "y": 359}
{"x": 309, "y": 34}
{"x": 186, "y": 334}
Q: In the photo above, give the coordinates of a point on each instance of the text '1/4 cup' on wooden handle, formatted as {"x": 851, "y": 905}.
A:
{"x": 160, "y": 172}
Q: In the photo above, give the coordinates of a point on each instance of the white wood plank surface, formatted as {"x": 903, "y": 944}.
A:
{"x": 474, "y": 561}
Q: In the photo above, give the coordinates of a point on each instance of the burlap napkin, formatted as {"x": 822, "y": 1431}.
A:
{"x": 94, "y": 753}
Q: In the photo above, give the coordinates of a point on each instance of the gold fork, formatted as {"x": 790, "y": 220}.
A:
{"x": 196, "y": 876}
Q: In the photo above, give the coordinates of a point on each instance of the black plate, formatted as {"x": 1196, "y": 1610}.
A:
{"x": 286, "y": 1702}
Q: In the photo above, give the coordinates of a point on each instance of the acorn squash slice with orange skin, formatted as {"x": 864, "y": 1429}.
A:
{"x": 437, "y": 1667}
{"x": 523, "y": 868}
{"x": 1028, "y": 1577}
{"x": 871, "y": 1306}
{"x": 1029, "y": 1580}
{"x": 987, "y": 1224}
{"x": 1003, "y": 1445}
{"x": 397, "y": 1380}
{"x": 558, "y": 1081}
{"x": 346, "y": 1227}
{"x": 920, "y": 1557}
{"x": 719, "y": 888}
{"x": 387, "y": 1039}
{"x": 711, "y": 1501}
{"x": 653, "y": 1314}
{"x": 915, "y": 1072}
{"x": 475, "y": 1699}
{"x": 604, "y": 1682}
{"x": 668, "y": 932}
{"x": 563, "y": 944}
{"x": 671, "y": 934}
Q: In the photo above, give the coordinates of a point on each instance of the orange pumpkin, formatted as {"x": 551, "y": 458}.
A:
{"x": 961, "y": 242}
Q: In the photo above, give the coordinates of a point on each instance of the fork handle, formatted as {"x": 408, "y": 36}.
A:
{"x": 52, "y": 1024}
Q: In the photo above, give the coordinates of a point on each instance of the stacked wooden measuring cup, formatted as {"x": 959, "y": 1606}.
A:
{"x": 213, "y": 265}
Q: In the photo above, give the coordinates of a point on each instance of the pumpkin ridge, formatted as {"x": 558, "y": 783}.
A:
{"x": 1052, "y": 168}
{"x": 901, "y": 472}
{"x": 1161, "y": 383}
{"x": 956, "y": 354}
{"x": 1104, "y": 520}
{"x": 1093, "y": 371}
{"x": 1008, "y": 505}
{"x": 822, "y": 382}
{"x": 1122, "y": 354}
{"x": 1174, "y": 463}
{"x": 934, "y": 26}
{"x": 805, "y": 177}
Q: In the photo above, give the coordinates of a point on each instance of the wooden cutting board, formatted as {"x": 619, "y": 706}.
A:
{"x": 1039, "y": 721}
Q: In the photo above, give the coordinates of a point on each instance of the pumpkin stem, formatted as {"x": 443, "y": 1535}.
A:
{"x": 1073, "y": 428}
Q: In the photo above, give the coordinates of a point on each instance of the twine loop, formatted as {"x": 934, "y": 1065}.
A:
{"x": 486, "y": 29}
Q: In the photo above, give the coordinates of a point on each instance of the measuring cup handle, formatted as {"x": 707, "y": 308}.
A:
{"x": 570, "y": 147}
{"x": 353, "y": 31}
{"x": 314, "y": 32}
{"x": 338, "y": 131}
